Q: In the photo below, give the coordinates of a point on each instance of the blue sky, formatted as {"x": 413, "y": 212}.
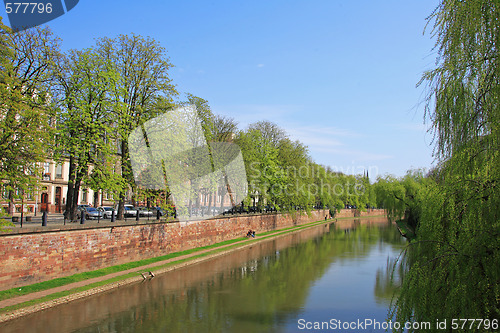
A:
{"x": 339, "y": 75}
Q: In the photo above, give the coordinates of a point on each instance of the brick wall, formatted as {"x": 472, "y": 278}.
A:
{"x": 42, "y": 255}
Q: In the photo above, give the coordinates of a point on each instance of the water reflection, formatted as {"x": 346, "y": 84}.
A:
{"x": 329, "y": 269}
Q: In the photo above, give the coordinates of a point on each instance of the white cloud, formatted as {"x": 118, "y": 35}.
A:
{"x": 260, "y": 65}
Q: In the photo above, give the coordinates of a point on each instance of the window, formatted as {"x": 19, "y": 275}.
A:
{"x": 46, "y": 171}
{"x": 84, "y": 196}
{"x": 5, "y": 192}
{"x": 29, "y": 194}
{"x": 59, "y": 171}
{"x": 18, "y": 194}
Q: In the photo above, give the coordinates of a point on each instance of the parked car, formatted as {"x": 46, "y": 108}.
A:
{"x": 144, "y": 211}
{"x": 129, "y": 210}
{"x": 89, "y": 213}
{"x": 235, "y": 210}
{"x": 252, "y": 209}
{"x": 269, "y": 209}
{"x": 106, "y": 211}
{"x": 162, "y": 212}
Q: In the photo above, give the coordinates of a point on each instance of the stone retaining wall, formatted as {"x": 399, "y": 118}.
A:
{"x": 41, "y": 255}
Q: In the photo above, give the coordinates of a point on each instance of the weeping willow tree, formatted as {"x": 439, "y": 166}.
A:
{"x": 454, "y": 266}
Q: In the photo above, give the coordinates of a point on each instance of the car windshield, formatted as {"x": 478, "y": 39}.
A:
{"x": 107, "y": 208}
{"x": 91, "y": 209}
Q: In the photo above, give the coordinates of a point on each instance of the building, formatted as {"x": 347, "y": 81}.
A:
{"x": 52, "y": 192}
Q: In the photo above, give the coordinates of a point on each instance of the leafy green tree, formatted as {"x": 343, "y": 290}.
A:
{"x": 26, "y": 113}
{"x": 144, "y": 85}
{"x": 294, "y": 161}
{"x": 223, "y": 130}
{"x": 402, "y": 197}
{"x": 87, "y": 123}
{"x": 260, "y": 153}
{"x": 281, "y": 173}
{"x": 453, "y": 266}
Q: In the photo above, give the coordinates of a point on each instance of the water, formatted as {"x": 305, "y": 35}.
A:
{"x": 329, "y": 273}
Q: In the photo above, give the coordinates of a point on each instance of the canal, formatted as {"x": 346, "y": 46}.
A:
{"x": 332, "y": 273}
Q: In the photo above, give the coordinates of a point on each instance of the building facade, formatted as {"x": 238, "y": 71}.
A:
{"x": 52, "y": 191}
{"x": 51, "y": 194}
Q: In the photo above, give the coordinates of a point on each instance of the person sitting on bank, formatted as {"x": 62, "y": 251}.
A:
{"x": 250, "y": 233}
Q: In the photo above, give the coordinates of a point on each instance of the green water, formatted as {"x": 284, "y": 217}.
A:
{"x": 329, "y": 273}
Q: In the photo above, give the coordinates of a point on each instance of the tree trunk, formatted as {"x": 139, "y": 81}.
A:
{"x": 210, "y": 203}
{"x": 126, "y": 176}
{"x": 69, "y": 210}
{"x": 231, "y": 197}
{"x": 222, "y": 195}
{"x": 121, "y": 207}
{"x": 96, "y": 199}
{"x": 11, "y": 203}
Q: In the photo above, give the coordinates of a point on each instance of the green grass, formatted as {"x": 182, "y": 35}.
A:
{"x": 14, "y": 292}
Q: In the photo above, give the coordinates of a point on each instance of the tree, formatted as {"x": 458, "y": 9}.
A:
{"x": 294, "y": 160}
{"x": 263, "y": 172}
{"x": 143, "y": 68}
{"x": 26, "y": 112}
{"x": 453, "y": 265}
{"x": 223, "y": 130}
{"x": 87, "y": 123}
{"x": 402, "y": 197}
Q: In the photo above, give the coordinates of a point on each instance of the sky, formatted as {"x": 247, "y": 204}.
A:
{"x": 338, "y": 75}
